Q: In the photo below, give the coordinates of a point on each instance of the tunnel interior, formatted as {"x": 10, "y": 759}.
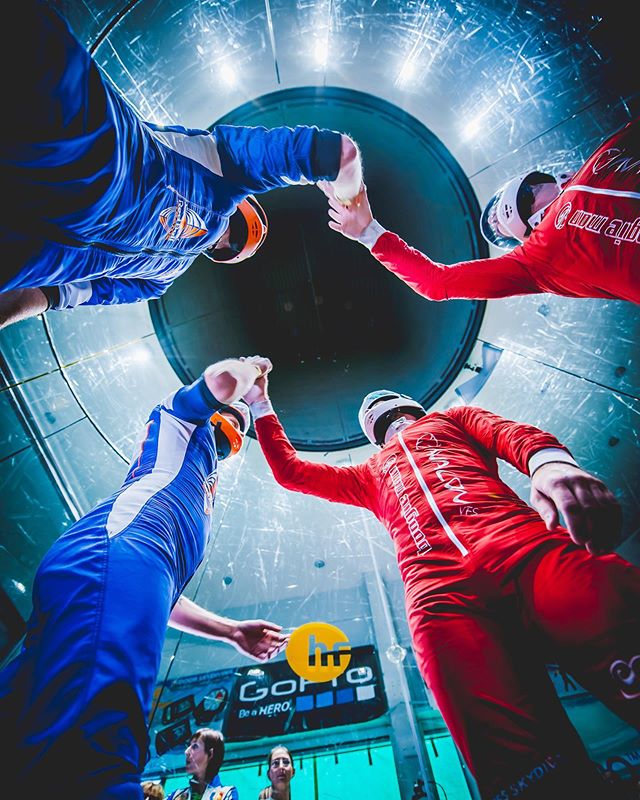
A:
{"x": 330, "y": 318}
{"x": 447, "y": 101}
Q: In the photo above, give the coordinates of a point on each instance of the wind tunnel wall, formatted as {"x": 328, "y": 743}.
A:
{"x": 504, "y": 88}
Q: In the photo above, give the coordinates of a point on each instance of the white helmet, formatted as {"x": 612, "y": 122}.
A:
{"x": 380, "y": 408}
{"x": 510, "y": 209}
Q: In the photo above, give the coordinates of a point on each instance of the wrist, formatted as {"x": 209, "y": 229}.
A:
{"x": 261, "y": 408}
{"x": 550, "y": 455}
{"x": 370, "y": 235}
{"x": 226, "y": 628}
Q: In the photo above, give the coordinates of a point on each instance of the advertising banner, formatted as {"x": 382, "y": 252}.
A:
{"x": 265, "y": 700}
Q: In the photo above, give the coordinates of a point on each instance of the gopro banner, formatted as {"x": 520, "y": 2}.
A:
{"x": 266, "y": 700}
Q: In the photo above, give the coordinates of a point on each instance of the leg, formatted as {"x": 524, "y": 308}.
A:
{"x": 498, "y": 702}
{"x": 77, "y": 701}
{"x": 588, "y": 607}
{"x": 56, "y": 154}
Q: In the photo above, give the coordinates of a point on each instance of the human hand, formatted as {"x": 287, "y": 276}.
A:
{"x": 260, "y": 388}
{"x": 259, "y": 639}
{"x": 591, "y": 513}
{"x": 349, "y": 220}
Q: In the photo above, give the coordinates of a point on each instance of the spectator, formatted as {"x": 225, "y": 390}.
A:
{"x": 204, "y": 756}
{"x": 280, "y": 771}
{"x": 152, "y": 790}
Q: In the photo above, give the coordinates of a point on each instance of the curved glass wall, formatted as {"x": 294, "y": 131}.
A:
{"x": 504, "y": 90}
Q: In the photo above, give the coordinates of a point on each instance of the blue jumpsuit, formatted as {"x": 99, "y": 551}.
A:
{"x": 76, "y": 699}
{"x": 96, "y": 200}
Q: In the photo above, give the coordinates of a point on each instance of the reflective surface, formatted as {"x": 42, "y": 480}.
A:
{"x": 505, "y": 87}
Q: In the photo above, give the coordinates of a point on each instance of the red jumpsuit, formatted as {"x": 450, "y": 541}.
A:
{"x": 587, "y": 244}
{"x": 491, "y": 595}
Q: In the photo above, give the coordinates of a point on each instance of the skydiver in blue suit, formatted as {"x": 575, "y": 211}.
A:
{"x": 103, "y": 207}
{"x": 75, "y": 701}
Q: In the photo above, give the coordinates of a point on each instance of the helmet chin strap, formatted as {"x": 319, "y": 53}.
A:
{"x": 396, "y": 426}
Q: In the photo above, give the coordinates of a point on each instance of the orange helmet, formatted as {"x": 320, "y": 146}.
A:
{"x": 247, "y": 231}
{"x": 228, "y": 438}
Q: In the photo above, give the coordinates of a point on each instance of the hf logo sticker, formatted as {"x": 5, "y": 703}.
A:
{"x": 318, "y": 652}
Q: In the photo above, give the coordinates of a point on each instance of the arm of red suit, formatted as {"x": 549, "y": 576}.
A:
{"x": 590, "y": 511}
{"x": 519, "y": 444}
{"x": 484, "y": 278}
{"x": 339, "y": 484}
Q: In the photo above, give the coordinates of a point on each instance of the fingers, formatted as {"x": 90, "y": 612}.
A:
{"x": 262, "y": 361}
{"x": 270, "y": 626}
{"x": 335, "y": 227}
{"x": 335, "y": 216}
{"x": 336, "y": 206}
{"x": 545, "y": 508}
{"x": 575, "y": 518}
{"x": 605, "y": 515}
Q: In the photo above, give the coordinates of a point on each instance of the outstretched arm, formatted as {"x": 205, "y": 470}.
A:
{"x": 484, "y": 278}
{"x": 256, "y": 638}
{"x": 339, "y": 484}
{"x": 591, "y": 513}
{"x": 257, "y": 159}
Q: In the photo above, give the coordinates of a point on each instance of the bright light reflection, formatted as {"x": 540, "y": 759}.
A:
{"x": 407, "y": 72}
{"x": 227, "y": 74}
{"x": 472, "y": 128}
{"x": 321, "y": 52}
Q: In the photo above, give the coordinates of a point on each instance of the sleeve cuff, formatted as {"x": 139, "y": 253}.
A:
{"x": 193, "y": 403}
{"x": 73, "y": 294}
{"x": 326, "y": 154}
{"x": 549, "y": 455}
{"x": 371, "y": 234}
{"x": 261, "y": 408}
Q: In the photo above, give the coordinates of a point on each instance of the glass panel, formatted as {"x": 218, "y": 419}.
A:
{"x": 119, "y": 388}
{"x": 358, "y": 773}
{"x": 447, "y": 769}
{"x": 336, "y": 775}
{"x": 26, "y": 350}
{"x": 13, "y": 437}
{"x": 94, "y": 329}
{"x": 51, "y": 403}
{"x": 91, "y": 468}
{"x": 33, "y": 516}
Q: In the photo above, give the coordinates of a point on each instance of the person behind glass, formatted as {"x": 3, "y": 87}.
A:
{"x": 152, "y": 790}
{"x": 204, "y": 756}
{"x": 108, "y": 208}
{"x": 575, "y": 235}
{"x": 77, "y": 697}
{"x": 280, "y": 772}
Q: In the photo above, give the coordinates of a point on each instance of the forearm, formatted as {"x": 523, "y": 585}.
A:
{"x": 349, "y": 180}
{"x": 189, "y": 617}
{"x": 19, "y": 304}
{"x": 337, "y": 484}
{"x": 193, "y": 403}
{"x": 523, "y": 446}
{"x": 485, "y": 278}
